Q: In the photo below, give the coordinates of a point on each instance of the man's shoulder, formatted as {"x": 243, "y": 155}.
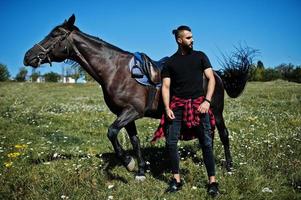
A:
{"x": 171, "y": 58}
{"x": 199, "y": 53}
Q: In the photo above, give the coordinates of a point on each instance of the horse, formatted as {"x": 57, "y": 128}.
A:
{"x": 126, "y": 98}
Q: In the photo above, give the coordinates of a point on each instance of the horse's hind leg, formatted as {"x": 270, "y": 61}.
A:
{"x": 224, "y": 136}
{"x": 126, "y": 116}
{"x": 132, "y": 131}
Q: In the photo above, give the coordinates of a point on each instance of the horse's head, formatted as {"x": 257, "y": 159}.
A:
{"x": 54, "y": 47}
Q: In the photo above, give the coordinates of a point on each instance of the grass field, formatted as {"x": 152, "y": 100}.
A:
{"x": 53, "y": 145}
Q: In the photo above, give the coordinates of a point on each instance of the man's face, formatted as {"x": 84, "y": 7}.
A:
{"x": 185, "y": 39}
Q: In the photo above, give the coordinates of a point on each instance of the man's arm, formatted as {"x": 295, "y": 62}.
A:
{"x": 204, "y": 107}
{"x": 166, "y": 97}
{"x": 211, "y": 83}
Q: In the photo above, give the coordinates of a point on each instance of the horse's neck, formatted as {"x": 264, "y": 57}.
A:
{"x": 97, "y": 57}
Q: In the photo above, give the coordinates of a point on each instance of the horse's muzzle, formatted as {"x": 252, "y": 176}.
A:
{"x": 30, "y": 60}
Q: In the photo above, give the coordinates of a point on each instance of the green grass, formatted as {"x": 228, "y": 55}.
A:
{"x": 64, "y": 152}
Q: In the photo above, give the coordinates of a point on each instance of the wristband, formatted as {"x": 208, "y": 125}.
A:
{"x": 207, "y": 101}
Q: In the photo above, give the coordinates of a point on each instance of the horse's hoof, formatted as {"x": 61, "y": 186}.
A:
{"x": 229, "y": 166}
{"x": 140, "y": 178}
{"x": 131, "y": 165}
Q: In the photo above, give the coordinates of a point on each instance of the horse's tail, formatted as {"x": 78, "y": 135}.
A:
{"x": 235, "y": 70}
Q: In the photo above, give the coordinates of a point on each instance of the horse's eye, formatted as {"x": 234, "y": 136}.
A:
{"x": 42, "y": 56}
{"x": 55, "y": 34}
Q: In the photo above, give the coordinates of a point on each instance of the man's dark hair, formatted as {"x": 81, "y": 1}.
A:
{"x": 179, "y": 29}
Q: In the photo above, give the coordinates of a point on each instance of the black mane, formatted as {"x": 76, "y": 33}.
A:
{"x": 106, "y": 44}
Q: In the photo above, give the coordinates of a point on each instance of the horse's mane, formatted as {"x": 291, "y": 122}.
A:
{"x": 106, "y": 44}
{"x": 96, "y": 39}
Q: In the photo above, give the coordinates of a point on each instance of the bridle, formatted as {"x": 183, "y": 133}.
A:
{"x": 45, "y": 51}
{"x": 70, "y": 45}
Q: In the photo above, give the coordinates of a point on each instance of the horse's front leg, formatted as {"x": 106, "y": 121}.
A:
{"x": 127, "y": 115}
{"x": 132, "y": 132}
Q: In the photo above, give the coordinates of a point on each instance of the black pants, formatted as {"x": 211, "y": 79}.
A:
{"x": 203, "y": 131}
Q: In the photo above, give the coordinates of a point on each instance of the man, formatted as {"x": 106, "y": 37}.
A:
{"x": 182, "y": 89}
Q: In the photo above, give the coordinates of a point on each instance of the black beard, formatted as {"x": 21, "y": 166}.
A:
{"x": 187, "y": 48}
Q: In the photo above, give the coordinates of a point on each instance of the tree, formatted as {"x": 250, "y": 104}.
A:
{"x": 294, "y": 74}
{"x": 257, "y": 72}
{"x": 297, "y": 73}
{"x": 52, "y": 77}
{"x": 271, "y": 74}
{"x": 252, "y": 72}
{"x": 80, "y": 72}
{"x": 34, "y": 76}
{"x": 260, "y": 64}
{"x": 21, "y": 76}
{"x": 4, "y": 73}
{"x": 283, "y": 71}
{"x": 286, "y": 70}
{"x": 88, "y": 78}
{"x": 75, "y": 72}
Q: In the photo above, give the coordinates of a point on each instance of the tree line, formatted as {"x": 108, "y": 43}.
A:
{"x": 74, "y": 71}
{"x": 258, "y": 72}
{"x": 283, "y": 71}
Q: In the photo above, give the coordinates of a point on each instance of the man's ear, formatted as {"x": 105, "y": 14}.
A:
{"x": 179, "y": 40}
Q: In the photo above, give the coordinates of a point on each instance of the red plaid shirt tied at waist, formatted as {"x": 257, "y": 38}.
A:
{"x": 191, "y": 117}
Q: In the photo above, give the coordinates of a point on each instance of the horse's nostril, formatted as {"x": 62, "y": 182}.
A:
{"x": 25, "y": 60}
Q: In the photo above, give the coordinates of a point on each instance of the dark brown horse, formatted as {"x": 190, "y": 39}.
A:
{"x": 127, "y": 99}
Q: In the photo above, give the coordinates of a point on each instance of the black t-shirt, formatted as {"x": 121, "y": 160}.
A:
{"x": 186, "y": 74}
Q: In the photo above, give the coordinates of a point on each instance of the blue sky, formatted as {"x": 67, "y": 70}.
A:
{"x": 271, "y": 26}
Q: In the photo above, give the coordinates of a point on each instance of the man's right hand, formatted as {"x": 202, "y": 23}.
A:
{"x": 170, "y": 114}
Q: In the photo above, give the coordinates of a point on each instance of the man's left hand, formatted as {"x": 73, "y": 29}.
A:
{"x": 204, "y": 107}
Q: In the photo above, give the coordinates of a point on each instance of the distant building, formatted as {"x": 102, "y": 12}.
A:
{"x": 67, "y": 79}
{"x": 40, "y": 79}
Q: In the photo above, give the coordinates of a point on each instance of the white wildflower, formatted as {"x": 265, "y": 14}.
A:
{"x": 230, "y": 173}
{"x": 266, "y": 189}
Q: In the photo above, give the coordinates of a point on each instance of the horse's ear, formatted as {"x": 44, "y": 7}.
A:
{"x": 71, "y": 20}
